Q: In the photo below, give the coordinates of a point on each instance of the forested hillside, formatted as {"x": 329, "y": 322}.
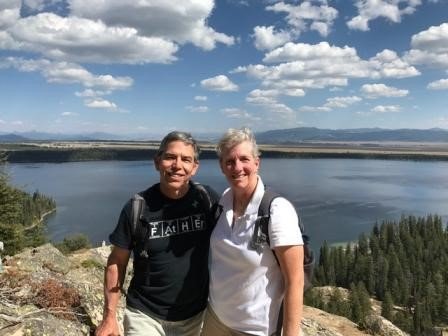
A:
{"x": 404, "y": 264}
{"x": 20, "y": 215}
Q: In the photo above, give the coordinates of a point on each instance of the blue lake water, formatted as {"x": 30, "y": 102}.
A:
{"x": 337, "y": 198}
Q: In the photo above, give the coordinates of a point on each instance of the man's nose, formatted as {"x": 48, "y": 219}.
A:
{"x": 177, "y": 162}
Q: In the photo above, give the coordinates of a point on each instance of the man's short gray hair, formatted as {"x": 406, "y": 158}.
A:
{"x": 185, "y": 137}
{"x": 234, "y": 137}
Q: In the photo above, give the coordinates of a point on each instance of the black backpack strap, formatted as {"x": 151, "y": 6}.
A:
{"x": 137, "y": 203}
{"x": 209, "y": 199}
{"x": 261, "y": 228}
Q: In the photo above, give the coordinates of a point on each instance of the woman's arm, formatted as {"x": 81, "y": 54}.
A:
{"x": 291, "y": 259}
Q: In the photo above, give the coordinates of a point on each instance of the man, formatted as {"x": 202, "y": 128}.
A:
{"x": 168, "y": 292}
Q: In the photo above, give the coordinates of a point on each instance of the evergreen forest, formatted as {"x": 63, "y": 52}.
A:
{"x": 21, "y": 215}
{"x": 404, "y": 264}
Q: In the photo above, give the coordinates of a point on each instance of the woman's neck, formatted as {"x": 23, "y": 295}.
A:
{"x": 241, "y": 199}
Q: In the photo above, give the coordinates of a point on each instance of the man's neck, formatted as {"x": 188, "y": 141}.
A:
{"x": 174, "y": 193}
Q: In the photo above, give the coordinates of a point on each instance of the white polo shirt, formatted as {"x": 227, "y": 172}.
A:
{"x": 246, "y": 288}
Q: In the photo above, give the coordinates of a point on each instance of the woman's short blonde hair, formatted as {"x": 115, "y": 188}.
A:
{"x": 233, "y": 137}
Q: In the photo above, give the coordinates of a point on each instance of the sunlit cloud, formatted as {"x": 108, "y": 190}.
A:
{"x": 219, "y": 83}
{"x": 381, "y": 90}
{"x": 441, "y": 84}
{"x": 386, "y": 109}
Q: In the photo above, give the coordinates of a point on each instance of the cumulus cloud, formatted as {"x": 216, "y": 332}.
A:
{"x": 386, "y": 108}
{"x": 332, "y": 103}
{"x": 69, "y": 114}
{"x": 430, "y": 47}
{"x": 382, "y": 90}
{"x": 181, "y": 22}
{"x": 391, "y": 10}
{"x": 82, "y": 40}
{"x": 341, "y": 102}
{"x": 306, "y": 16}
{"x": 114, "y": 31}
{"x": 197, "y": 109}
{"x": 67, "y": 73}
{"x": 9, "y": 13}
{"x": 266, "y": 38}
{"x": 92, "y": 93}
{"x": 219, "y": 83}
{"x": 295, "y": 67}
{"x": 307, "y": 108}
{"x": 267, "y": 99}
{"x": 200, "y": 98}
{"x": 441, "y": 84}
{"x": 236, "y": 113}
{"x": 100, "y": 103}
{"x": 387, "y": 64}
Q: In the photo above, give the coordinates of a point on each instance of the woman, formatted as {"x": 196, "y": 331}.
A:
{"x": 247, "y": 286}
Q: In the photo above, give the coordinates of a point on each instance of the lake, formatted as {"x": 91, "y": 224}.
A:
{"x": 336, "y": 198}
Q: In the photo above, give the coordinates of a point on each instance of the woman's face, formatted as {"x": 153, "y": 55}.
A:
{"x": 240, "y": 167}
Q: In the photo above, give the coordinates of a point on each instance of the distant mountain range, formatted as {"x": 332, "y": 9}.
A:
{"x": 283, "y": 136}
{"x": 309, "y": 134}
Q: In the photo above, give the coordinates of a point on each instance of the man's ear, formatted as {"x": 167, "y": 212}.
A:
{"x": 156, "y": 163}
{"x": 195, "y": 168}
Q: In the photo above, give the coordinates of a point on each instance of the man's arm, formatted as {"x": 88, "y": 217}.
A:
{"x": 113, "y": 283}
{"x": 290, "y": 259}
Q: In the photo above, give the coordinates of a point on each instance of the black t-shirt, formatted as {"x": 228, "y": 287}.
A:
{"x": 171, "y": 261}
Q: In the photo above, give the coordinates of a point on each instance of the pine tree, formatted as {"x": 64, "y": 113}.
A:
{"x": 387, "y": 306}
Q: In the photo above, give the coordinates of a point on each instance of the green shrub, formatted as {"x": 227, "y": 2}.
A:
{"x": 73, "y": 243}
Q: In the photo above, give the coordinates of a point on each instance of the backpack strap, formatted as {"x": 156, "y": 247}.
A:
{"x": 136, "y": 211}
{"x": 210, "y": 203}
{"x": 261, "y": 229}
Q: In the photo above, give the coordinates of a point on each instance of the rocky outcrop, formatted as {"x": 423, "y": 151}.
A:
{"x": 43, "y": 292}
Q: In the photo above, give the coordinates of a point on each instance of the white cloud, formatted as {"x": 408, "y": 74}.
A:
{"x": 332, "y": 103}
{"x": 69, "y": 114}
{"x": 200, "y": 98}
{"x": 307, "y": 108}
{"x": 430, "y": 47}
{"x": 197, "y": 109}
{"x": 219, "y": 83}
{"x": 9, "y": 13}
{"x": 236, "y": 113}
{"x": 68, "y": 73}
{"x": 305, "y": 66}
{"x": 77, "y": 39}
{"x": 341, "y": 102}
{"x": 17, "y": 123}
{"x": 113, "y": 31}
{"x": 441, "y": 84}
{"x": 382, "y": 90}
{"x": 267, "y": 39}
{"x": 386, "y": 108}
{"x": 181, "y": 22}
{"x": 100, "y": 103}
{"x": 268, "y": 100}
{"x": 92, "y": 93}
{"x": 264, "y": 97}
{"x": 387, "y": 64}
{"x": 307, "y": 16}
{"x": 392, "y": 10}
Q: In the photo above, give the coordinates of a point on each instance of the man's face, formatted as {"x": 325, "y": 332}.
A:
{"x": 176, "y": 167}
{"x": 240, "y": 166}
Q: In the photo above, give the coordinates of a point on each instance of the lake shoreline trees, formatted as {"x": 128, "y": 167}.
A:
{"x": 404, "y": 264}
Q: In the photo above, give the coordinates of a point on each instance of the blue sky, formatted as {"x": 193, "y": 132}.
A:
{"x": 151, "y": 66}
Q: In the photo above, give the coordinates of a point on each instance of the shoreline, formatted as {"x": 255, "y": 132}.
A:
{"x": 131, "y": 151}
{"x": 41, "y": 220}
